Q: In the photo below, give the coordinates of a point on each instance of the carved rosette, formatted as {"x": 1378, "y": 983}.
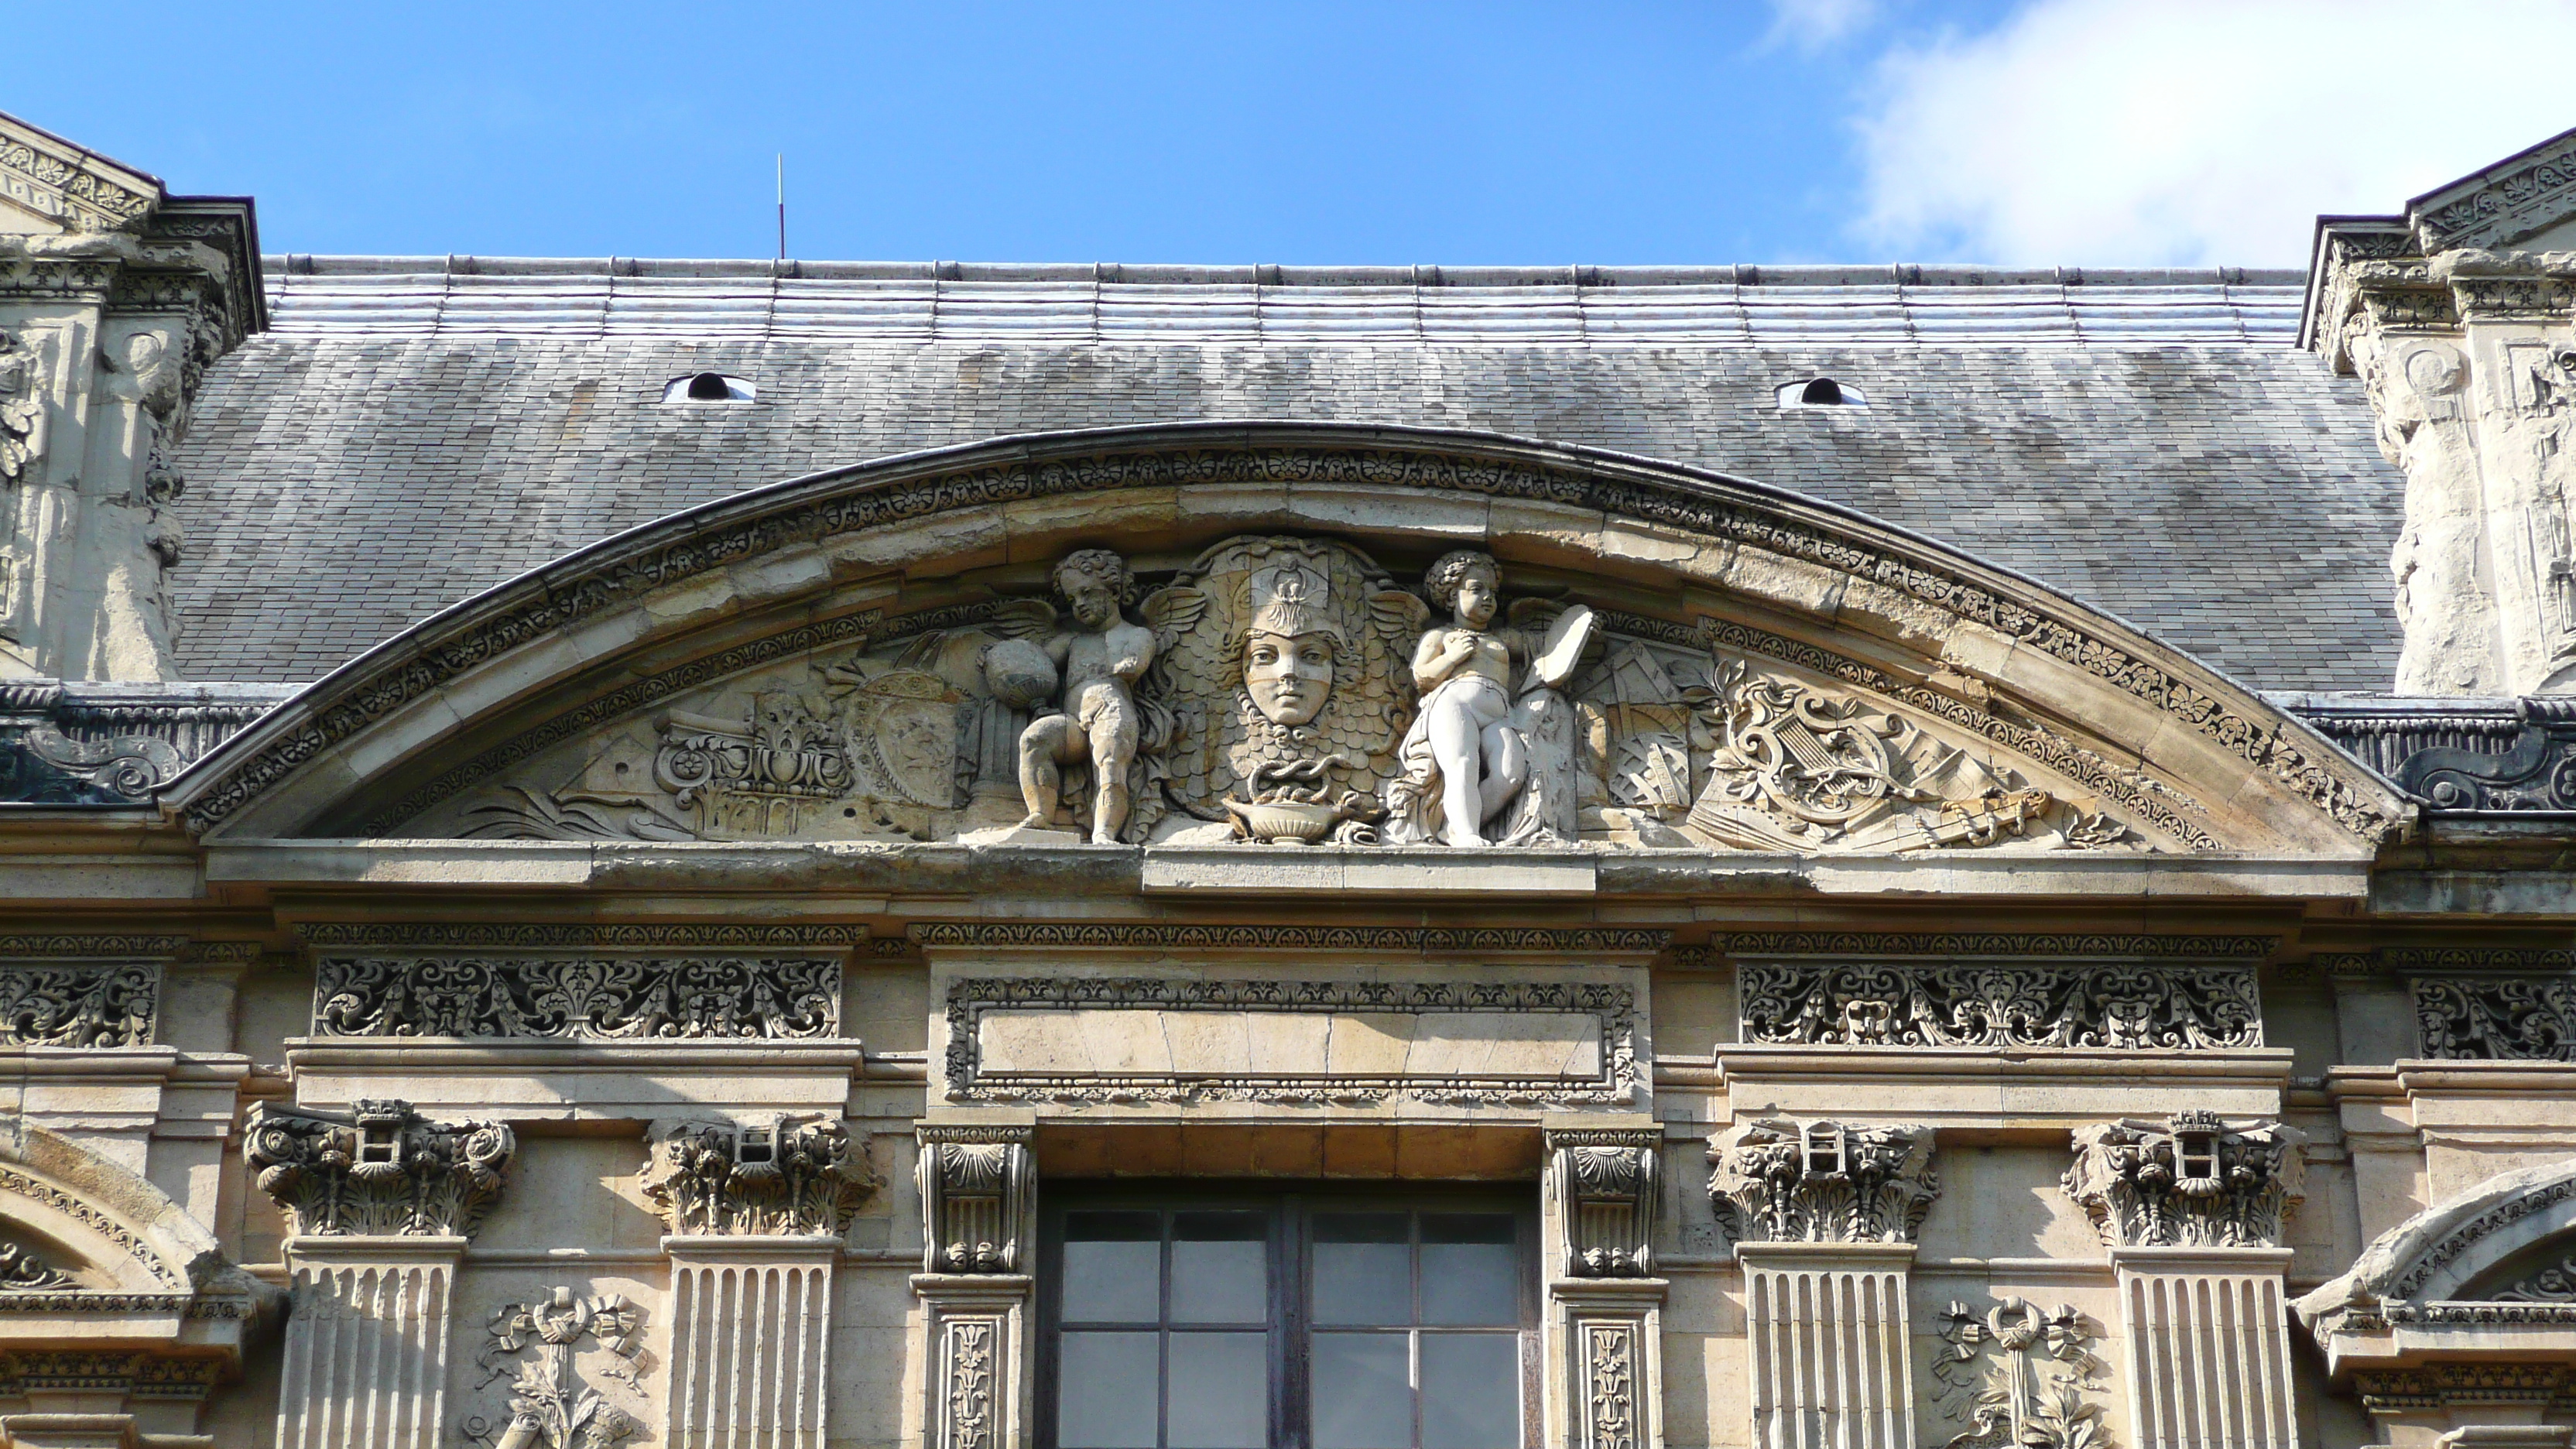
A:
{"x": 978, "y": 1197}
{"x": 1604, "y": 1185}
{"x": 379, "y": 1169}
{"x": 2192, "y": 1181}
{"x": 775, "y": 1175}
{"x": 1779, "y": 1181}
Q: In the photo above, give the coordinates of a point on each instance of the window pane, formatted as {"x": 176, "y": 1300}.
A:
{"x": 1363, "y": 1268}
{"x": 1220, "y": 1268}
{"x": 1105, "y": 1396}
{"x": 1471, "y": 1391}
{"x": 1220, "y": 1391}
{"x": 1363, "y": 1393}
{"x": 1112, "y": 1267}
{"x": 1470, "y": 1269}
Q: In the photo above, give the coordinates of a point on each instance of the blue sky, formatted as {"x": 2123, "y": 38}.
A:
{"x": 2098, "y": 132}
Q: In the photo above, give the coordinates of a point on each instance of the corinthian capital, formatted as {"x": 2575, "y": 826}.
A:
{"x": 1778, "y": 1181}
{"x": 771, "y": 1175}
{"x": 2191, "y": 1181}
{"x": 379, "y": 1169}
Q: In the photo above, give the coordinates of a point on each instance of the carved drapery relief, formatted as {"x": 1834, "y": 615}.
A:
{"x": 2190, "y": 1181}
{"x": 1270, "y": 691}
{"x": 2124, "y": 1005}
{"x": 608, "y": 998}
{"x": 978, "y": 1197}
{"x": 553, "y": 1403}
{"x": 2016, "y": 1376}
{"x": 23, "y": 1271}
{"x": 380, "y": 1169}
{"x": 1604, "y": 1184}
{"x": 1779, "y": 1181}
{"x": 772, "y": 1175}
{"x": 103, "y": 1005}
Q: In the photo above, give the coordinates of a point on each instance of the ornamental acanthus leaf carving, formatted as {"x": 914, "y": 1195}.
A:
{"x": 2192, "y": 1181}
{"x": 781, "y": 1174}
{"x": 378, "y": 1170}
{"x": 1779, "y": 1181}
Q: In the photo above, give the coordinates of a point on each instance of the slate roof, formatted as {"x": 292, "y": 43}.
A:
{"x": 411, "y": 431}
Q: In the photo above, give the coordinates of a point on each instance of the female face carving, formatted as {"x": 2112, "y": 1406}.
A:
{"x": 1288, "y": 677}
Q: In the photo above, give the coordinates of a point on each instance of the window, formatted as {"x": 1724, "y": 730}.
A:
{"x": 1323, "y": 1320}
{"x": 704, "y": 387}
{"x": 1819, "y": 392}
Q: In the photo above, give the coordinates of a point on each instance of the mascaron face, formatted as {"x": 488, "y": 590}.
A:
{"x": 1288, "y": 678}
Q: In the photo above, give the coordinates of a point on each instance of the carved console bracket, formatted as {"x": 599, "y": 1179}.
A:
{"x": 378, "y": 1170}
{"x": 2191, "y": 1181}
{"x": 1604, "y": 1184}
{"x": 1779, "y": 1181}
{"x": 978, "y": 1195}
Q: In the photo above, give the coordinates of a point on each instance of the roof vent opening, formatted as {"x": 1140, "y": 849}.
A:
{"x": 1821, "y": 392}
{"x": 707, "y": 387}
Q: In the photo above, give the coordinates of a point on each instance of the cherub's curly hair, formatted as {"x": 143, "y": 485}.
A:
{"x": 1094, "y": 563}
{"x": 1448, "y": 571}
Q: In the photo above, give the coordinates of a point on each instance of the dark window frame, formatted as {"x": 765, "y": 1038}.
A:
{"x": 1290, "y": 1208}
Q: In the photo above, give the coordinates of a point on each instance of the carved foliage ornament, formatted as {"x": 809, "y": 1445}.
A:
{"x": 1779, "y": 1181}
{"x": 2124, "y": 1005}
{"x": 2191, "y": 1181}
{"x": 21, "y": 1271}
{"x": 2497, "y": 1018}
{"x": 781, "y": 1175}
{"x": 378, "y": 1170}
{"x": 868, "y": 499}
{"x": 107, "y": 1005}
{"x": 610, "y": 998}
{"x": 537, "y": 1346}
{"x": 2020, "y": 1377}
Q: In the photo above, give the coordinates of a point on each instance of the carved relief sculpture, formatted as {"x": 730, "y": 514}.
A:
{"x": 978, "y": 1197}
{"x": 380, "y": 1169}
{"x": 1778, "y": 1181}
{"x": 2128, "y": 1006}
{"x": 1479, "y": 748}
{"x": 2021, "y": 1377}
{"x": 2190, "y": 1181}
{"x": 22, "y": 1271}
{"x": 776, "y": 1175}
{"x": 22, "y": 408}
{"x": 2497, "y": 1018}
{"x": 1096, "y": 722}
{"x": 1603, "y": 1183}
{"x": 537, "y": 1345}
{"x": 78, "y": 1006}
{"x": 608, "y": 998}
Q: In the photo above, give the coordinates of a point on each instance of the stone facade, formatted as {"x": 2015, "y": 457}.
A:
{"x": 1218, "y": 933}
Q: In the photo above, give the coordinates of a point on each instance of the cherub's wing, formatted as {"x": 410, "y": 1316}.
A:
{"x": 1398, "y": 618}
{"x": 1171, "y": 612}
{"x": 1022, "y": 618}
{"x": 1533, "y": 616}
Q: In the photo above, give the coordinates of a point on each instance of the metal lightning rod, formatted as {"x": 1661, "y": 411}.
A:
{"x": 782, "y": 206}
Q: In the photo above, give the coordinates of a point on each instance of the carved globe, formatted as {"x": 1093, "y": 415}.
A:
{"x": 1019, "y": 673}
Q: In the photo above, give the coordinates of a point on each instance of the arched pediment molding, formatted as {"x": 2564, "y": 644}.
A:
{"x": 128, "y": 1235}
{"x": 842, "y": 557}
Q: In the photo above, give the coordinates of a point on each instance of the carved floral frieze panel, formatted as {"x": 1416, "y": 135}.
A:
{"x": 108, "y": 1004}
{"x": 604, "y": 998}
{"x": 1280, "y": 688}
{"x": 2120, "y": 1005}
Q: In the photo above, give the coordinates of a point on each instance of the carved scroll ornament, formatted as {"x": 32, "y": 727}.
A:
{"x": 978, "y": 1197}
{"x": 2497, "y": 1018}
{"x": 21, "y": 1271}
{"x": 2129, "y": 1006}
{"x": 107, "y": 1005}
{"x": 609, "y": 998}
{"x": 776, "y": 1175}
{"x": 1778, "y": 1181}
{"x": 380, "y": 1169}
{"x": 2190, "y": 1181}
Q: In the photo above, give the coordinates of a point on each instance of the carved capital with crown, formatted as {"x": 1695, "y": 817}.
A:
{"x": 978, "y": 1197}
{"x": 1780, "y": 1181}
{"x": 781, "y": 1174}
{"x": 1604, "y": 1184}
{"x": 379, "y": 1169}
{"x": 2193, "y": 1180}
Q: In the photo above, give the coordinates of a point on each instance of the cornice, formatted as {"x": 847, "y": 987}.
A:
{"x": 1461, "y": 940}
{"x": 1953, "y": 946}
{"x": 80, "y": 190}
{"x": 686, "y": 545}
{"x": 2525, "y": 193}
{"x": 538, "y": 936}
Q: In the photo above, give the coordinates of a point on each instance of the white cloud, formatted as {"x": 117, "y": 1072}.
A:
{"x": 2196, "y": 132}
{"x": 1811, "y": 25}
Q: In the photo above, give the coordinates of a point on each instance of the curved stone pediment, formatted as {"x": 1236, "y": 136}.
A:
{"x": 1279, "y": 632}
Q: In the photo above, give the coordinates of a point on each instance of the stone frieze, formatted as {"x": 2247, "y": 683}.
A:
{"x": 2122, "y": 1005}
{"x": 584, "y": 997}
{"x": 108, "y": 1004}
